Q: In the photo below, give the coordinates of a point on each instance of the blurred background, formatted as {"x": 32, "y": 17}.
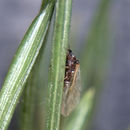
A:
{"x": 89, "y": 21}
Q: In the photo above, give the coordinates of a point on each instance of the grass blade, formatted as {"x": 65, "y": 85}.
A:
{"x": 22, "y": 64}
{"x": 95, "y": 62}
{"x": 95, "y": 54}
{"x": 43, "y": 4}
{"x": 82, "y": 111}
{"x": 59, "y": 49}
{"x": 29, "y": 107}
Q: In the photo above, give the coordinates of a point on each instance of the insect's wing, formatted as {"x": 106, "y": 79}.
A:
{"x": 71, "y": 96}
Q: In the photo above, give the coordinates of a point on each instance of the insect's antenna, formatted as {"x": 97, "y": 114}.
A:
{"x": 68, "y": 47}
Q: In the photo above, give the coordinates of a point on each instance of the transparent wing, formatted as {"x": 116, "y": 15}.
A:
{"x": 71, "y": 94}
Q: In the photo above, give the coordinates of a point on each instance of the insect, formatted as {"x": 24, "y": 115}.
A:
{"x": 72, "y": 84}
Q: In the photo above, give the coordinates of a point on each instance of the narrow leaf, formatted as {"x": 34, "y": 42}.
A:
{"x": 22, "y": 64}
{"x": 95, "y": 56}
{"x": 28, "y": 104}
{"x": 29, "y": 118}
{"x": 59, "y": 50}
{"x": 95, "y": 53}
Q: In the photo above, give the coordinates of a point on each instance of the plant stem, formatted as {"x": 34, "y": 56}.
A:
{"x": 59, "y": 50}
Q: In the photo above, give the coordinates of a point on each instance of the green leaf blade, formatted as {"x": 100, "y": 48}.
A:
{"x": 22, "y": 64}
{"x": 59, "y": 49}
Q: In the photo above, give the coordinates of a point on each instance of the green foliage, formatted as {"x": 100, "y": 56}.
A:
{"x": 96, "y": 48}
{"x": 28, "y": 72}
{"x": 22, "y": 64}
{"x": 57, "y": 70}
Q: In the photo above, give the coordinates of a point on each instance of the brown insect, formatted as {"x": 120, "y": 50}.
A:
{"x": 72, "y": 85}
